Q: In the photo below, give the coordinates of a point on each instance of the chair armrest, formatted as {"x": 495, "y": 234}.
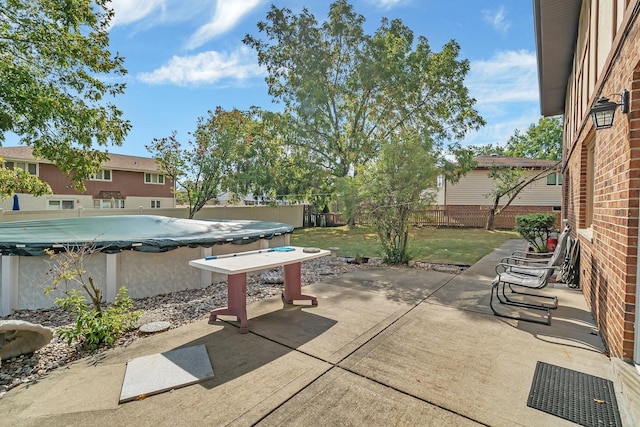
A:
{"x": 523, "y": 254}
{"x": 524, "y": 261}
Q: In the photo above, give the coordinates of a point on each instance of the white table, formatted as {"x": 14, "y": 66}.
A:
{"x": 236, "y": 267}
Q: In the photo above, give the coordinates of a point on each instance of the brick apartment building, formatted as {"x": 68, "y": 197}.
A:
{"x": 587, "y": 50}
{"x": 123, "y": 182}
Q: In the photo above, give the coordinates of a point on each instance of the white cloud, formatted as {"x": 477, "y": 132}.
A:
{"x": 506, "y": 89}
{"x": 497, "y": 19}
{"x": 205, "y": 68}
{"x": 385, "y": 4}
{"x": 128, "y": 11}
{"x": 149, "y": 13}
{"x": 499, "y": 130}
{"x": 226, "y": 15}
{"x": 509, "y": 76}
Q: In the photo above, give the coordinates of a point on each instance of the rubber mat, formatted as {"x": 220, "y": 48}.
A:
{"x": 581, "y": 398}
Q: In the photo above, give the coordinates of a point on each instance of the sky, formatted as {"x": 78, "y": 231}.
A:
{"x": 187, "y": 57}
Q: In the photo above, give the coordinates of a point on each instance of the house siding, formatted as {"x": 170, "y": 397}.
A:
{"x": 475, "y": 188}
{"x": 128, "y": 183}
{"x": 606, "y": 62}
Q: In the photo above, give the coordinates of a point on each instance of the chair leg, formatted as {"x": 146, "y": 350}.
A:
{"x": 552, "y": 305}
{"x": 505, "y": 299}
{"x": 546, "y": 320}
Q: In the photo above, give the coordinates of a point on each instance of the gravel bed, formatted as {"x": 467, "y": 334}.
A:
{"x": 178, "y": 308}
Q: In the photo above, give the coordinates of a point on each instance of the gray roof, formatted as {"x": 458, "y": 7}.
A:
{"x": 116, "y": 161}
{"x": 485, "y": 162}
{"x": 556, "y": 32}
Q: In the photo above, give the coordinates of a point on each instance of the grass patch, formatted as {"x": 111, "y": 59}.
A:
{"x": 430, "y": 244}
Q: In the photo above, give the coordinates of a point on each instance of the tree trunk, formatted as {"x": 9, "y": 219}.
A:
{"x": 492, "y": 214}
{"x": 491, "y": 219}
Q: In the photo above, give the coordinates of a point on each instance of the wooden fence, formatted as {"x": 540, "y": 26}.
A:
{"x": 471, "y": 219}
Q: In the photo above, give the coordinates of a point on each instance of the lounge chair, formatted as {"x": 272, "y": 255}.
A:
{"x": 554, "y": 258}
{"x": 509, "y": 279}
{"x": 531, "y": 273}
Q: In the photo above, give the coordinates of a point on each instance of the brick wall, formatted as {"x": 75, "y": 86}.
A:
{"x": 609, "y": 250}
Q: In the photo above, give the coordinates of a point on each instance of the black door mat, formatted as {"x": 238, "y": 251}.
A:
{"x": 581, "y": 398}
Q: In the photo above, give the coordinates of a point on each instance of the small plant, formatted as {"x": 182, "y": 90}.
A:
{"x": 536, "y": 229}
{"x": 94, "y": 325}
{"x": 93, "y": 329}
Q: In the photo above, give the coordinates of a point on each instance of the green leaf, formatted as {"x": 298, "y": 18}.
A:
{"x": 57, "y": 76}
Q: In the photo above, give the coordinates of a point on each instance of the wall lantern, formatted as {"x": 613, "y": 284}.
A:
{"x": 602, "y": 113}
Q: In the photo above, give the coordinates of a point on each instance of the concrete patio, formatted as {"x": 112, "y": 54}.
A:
{"x": 384, "y": 346}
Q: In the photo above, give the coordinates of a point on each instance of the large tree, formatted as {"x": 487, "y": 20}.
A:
{"x": 228, "y": 153}
{"x": 543, "y": 140}
{"x": 487, "y": 150}
{"x": 346, "y": 91}
{"x": 56, "y": 73}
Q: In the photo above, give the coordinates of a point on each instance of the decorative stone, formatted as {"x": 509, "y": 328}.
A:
{"x": 18, "y": 337}
{"x": 272, "y": 278}
{"x": 153, "y": 327}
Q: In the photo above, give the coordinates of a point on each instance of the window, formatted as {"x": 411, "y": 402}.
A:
{"x": 61, "y": 204}
{"x": 153, "y": 178}
{"x": 32, "y": 168}
{"x": 108, "y": 203}
{"x": 102, "y": 175}
{"x": 155, "y": 204}
{"x": 554, "y": 179}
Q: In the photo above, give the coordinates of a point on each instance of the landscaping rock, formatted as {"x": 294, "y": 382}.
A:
{"x": 153, "y": 327}
{"x": 18, "y": 337}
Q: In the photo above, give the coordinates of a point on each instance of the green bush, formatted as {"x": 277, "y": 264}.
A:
{"x": 536, "y": 229}
{"x": 93, "y": 329}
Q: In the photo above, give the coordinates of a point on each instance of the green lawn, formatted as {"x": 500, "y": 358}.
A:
{"x": 445, "y": 245}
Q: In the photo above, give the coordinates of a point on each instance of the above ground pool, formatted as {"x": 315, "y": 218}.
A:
{"x": 144, "y": 233}
{"x": 148, "y": 254}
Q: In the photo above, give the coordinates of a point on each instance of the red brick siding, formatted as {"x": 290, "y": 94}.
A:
{"x": 128, "y": 183}
{"x": 609, "y": 261}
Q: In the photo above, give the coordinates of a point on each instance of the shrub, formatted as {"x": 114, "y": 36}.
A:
{"x": 94, "y": 325}
{"x": 536, "y": 229}
{"x": 93, "y": 329}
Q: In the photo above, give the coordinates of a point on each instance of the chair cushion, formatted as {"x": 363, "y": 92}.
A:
{"x": 522, "y": 280}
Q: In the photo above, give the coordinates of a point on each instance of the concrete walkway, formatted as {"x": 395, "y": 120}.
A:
{"x": 384, "y": 346}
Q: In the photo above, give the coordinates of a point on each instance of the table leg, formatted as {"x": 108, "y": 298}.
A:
{"x": 293, "y": 285}
{"x": 236, "y": 301}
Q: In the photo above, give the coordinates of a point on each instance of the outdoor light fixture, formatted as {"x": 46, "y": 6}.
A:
{"x": 602, "y": 113}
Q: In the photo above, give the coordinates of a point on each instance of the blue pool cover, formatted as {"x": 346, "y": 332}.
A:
{"x": 145, "y": 233}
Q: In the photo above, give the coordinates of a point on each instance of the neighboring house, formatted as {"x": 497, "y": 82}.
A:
{"x": 587, "y": 50}
{"x": 473, "y": 191}
{"x": 124, "y": 181}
